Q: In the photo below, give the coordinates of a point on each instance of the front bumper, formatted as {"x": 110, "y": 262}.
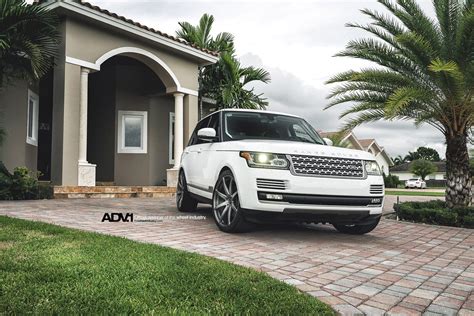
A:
{"x": 330, "y": 196}
{"x": 312, "y": 216}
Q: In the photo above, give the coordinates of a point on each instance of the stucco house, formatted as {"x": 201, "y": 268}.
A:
{"x": 369, "y": 145}
{"x": 117, "y": 108}
{"x": 403, "y": 172}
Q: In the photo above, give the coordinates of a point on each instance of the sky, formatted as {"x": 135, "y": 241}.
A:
{"x": 295, "y": 41}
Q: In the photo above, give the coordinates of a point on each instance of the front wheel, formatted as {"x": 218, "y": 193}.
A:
{"x": 226, "y": 206}
{"x": 356, "y": 229}
{"x": 184, "y": 201}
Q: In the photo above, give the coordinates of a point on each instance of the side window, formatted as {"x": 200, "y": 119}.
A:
{"x": 203, "y": 123}
{"x": 32, "y": 119}
{"x": 215, "y": 124}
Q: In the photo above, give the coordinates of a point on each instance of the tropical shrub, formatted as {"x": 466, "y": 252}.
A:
{"x": 391, "y": 181}
{"x": 22, "y": 185}
{"x": 435, "y": 212}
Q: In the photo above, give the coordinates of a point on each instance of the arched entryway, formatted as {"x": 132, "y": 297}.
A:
{"x": 129, "y": 124}
{"x": 131, "y": 120}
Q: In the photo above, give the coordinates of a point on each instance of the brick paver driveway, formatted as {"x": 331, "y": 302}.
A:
{"x": 400, "y": 268}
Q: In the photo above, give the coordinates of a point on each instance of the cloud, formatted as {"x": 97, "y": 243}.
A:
{"x": 295, "y": 41}
{"x": 290, "y": 94}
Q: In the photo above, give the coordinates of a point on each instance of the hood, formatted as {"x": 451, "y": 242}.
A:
{"x": 294, "y": 148}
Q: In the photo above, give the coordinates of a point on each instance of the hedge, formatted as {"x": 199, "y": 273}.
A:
{"x": 435, "y": 212}
{"x": 22, "y": 184}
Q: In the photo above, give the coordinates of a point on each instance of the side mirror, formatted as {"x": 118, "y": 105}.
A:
{"x": 328, "y": 141}
{"x": 207, "y": 134}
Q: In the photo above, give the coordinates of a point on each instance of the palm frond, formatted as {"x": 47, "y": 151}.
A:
{"x": 28, "y": 40}
{"x": 424, "y": 67}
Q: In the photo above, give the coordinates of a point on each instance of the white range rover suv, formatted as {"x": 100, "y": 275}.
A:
{"x": 260, "y": 166}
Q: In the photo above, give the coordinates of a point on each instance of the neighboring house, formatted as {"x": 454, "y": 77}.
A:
{"x": 403, "y": 172}
{"x": 118, "y": 107}
{"x": 369, "y": 145}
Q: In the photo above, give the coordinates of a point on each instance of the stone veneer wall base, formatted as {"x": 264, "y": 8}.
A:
{"x": 111, "y": 192}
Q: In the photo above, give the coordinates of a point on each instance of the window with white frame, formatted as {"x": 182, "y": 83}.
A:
{"x": 132, "y": 132}
{"x": 171, "y": 139}
{"x": 32, "y": 119}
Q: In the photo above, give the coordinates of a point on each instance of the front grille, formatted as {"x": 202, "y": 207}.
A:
{"x": 376, "y": 189}
{"x": 271, "y": 184}
{"x": 327, "y": 166}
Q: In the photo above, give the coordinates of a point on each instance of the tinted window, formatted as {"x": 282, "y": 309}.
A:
{"x": 201, "y": 124}
{"x": 256, "y": 125}
{"x": 215, "y": 124}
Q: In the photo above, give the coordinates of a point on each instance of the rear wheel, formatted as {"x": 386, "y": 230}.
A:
{"x": 226, "y": 206}
{"x": 357, "y": 229}
{"x": 184, "y": 201}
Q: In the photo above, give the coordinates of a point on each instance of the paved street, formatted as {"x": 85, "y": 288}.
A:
{"x": 399, "y": 268}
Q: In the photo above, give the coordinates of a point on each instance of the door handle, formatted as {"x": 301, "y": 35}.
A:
{"x": 199, "y": 150}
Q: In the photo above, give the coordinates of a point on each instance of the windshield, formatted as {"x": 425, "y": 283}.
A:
{"x": 256, "y": 125}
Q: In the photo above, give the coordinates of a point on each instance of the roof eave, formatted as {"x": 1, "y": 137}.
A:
{"x": 204, "y": 58}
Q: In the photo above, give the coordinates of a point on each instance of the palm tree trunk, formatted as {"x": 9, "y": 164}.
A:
{"x": 458, "y": 182}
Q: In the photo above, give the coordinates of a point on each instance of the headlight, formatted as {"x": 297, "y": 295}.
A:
{"x": 265, "y": 160}
{"x": 372, "y": 168}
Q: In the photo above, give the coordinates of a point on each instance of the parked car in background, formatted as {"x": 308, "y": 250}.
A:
{"x": 261, "y": 166}
{"x": 415, "y": 183}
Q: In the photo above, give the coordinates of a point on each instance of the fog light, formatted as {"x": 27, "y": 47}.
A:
{"x": 274, "y": 197}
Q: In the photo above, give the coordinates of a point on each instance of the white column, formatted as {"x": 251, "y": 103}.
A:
{"x": 85, "y": 170}
{"x": 178, "y": 128}
{"x": 83, "y": 116}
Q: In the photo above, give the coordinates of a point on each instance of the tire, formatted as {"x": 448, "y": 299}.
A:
{"x": 226, "y": 209}
{"x": 184, "y": 201}
{"x": 357, "y": 229}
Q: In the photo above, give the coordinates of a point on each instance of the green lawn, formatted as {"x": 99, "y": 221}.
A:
{"x": 414, "y": 193}
{"x": 47, "y": 269}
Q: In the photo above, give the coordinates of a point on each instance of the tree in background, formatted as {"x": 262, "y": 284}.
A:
{"x": 425, "y": 73}
{"x": 428, "y": 154}
{"x": 391, "y": 181}
{"x": 28, "y": 43}
{"x": 422, "y": 168}
{"x": 226, "y": 81}
{"x": 398, "y": 160}
{"x": 422, "y": 153}
{"x": 412, "y": 156}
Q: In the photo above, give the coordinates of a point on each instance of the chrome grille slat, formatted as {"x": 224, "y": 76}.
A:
{"x": 376, "y": 188}
{"x": 327, "y": 166}
{"x": 271, "y": 184}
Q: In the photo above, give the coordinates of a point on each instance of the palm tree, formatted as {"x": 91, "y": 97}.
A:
{"x": 28, "y": 42}
{"x": 399, "y": 160}
{"x": 425, "y": 73}
{"x": 232, "y": 92}
{"x": 224, "y": 81}
{"x": 411, "y": 156}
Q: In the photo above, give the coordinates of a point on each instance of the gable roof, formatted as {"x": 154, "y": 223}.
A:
{"x": 131, "y": 22}
{"x": 405, "y": 167}
{"x": 366, "y": 142}
{"x": 363, "y": 144}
